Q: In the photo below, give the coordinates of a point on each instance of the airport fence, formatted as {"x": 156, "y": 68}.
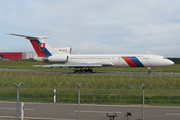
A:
{"x": 100, "y": 87}
{"x": 99, "y": 80}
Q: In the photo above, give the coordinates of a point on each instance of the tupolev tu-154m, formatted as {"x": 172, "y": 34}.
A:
{"x": 62, "y": 57}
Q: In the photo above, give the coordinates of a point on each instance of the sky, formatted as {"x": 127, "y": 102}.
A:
{"x": 93, "y": 26}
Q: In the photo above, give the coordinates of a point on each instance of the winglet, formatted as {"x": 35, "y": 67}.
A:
{"x": 30, "y": 37}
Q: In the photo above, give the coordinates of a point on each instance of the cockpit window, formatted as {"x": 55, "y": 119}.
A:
{"x": 164, "y": 58}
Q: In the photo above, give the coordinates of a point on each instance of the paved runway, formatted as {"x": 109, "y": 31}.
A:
{"x": 58, "y": 111}
{"x": 102, "y": 73}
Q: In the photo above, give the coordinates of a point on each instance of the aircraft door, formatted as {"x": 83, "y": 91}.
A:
{"x": 145, "y": 62}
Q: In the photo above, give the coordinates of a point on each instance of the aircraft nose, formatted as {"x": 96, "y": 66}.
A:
{"x": 171, "y": 62}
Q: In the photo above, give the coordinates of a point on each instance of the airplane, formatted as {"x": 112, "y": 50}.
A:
{"x": 62, "y": 57}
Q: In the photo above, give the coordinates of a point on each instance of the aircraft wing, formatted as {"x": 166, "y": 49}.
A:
{"x": 79, "y": 65}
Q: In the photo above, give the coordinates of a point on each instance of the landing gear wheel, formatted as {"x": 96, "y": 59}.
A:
{"x": 149, "y": 68}
{"x": 85, "y": 70}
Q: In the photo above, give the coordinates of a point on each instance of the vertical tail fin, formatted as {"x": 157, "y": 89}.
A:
{"x": 40, "y": 46}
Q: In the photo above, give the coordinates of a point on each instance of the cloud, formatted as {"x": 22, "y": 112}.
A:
{"x": 91, "y": 26}
{"x": 6, "y": 49}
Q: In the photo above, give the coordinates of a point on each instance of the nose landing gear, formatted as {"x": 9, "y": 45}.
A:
{"x": 149, "y": 68}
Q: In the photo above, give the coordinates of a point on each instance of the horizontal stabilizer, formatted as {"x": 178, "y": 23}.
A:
{"x": 30, "y": 37}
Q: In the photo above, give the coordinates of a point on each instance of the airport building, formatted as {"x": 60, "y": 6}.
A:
{"x": 17, "y": 55}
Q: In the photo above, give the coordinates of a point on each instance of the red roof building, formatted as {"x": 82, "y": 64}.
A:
{"x": 16, "y": 55}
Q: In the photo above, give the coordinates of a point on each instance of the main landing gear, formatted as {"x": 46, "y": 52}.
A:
{"x": 84, "y": 70}
{"x": 149, "y": 68}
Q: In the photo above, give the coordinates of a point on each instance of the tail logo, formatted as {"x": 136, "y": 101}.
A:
{"x": 42, "y": 45}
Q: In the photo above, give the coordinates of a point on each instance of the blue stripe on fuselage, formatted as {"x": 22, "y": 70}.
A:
{"x": 136, "y": 61}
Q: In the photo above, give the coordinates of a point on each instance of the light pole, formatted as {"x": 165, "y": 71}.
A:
{"x": 79, "y": 85}
{"x": 143, "y": 86}
{"x": 17, "y": 108}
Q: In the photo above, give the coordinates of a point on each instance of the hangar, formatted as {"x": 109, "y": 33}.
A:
{"x": 17, "y": 55}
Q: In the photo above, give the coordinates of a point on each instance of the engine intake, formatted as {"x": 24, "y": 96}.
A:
{"x": 60, "y": 58}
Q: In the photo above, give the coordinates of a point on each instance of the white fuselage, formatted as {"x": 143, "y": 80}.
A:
{"x": 118, "y": 60}
{"x": 123, "y": 60}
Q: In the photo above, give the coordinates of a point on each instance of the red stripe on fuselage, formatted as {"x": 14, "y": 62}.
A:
{"x": 39, "y": 52}
{"x": 129, "y": 62}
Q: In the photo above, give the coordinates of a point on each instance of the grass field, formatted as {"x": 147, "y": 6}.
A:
{"x": 162, "y": 90}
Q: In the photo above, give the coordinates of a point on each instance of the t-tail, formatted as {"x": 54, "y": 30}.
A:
{"x": 40, "y": 46}
{"x": 44, "y": 51}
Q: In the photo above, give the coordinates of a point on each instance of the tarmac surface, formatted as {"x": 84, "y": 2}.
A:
{"x": 109, "y": 73}
{"x": 58, "y": 111}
